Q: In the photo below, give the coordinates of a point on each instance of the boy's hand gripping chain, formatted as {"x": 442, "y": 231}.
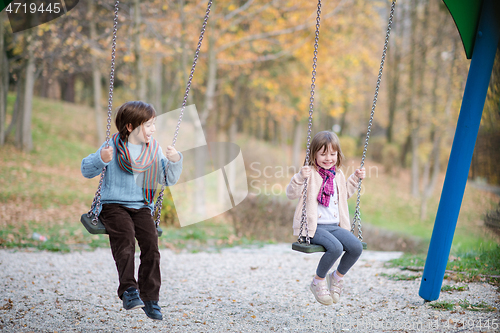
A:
{"x": 357, "y": 214}
{"x": 159, "y": 200}
{"x": 303, "y": 222}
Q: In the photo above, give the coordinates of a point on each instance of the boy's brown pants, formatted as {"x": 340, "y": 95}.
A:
{"x": 124, "y": 225}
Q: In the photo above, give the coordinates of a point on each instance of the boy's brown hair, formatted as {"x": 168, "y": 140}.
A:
{"x": 320, "y": 142}
{"x": 135, "y": 113}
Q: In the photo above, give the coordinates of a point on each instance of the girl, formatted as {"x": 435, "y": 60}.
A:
{"x": 135, "y": 165}
{"x": 327, "y": 213}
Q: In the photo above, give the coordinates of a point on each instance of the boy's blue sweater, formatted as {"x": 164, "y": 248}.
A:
{"x": 122, "y": 187}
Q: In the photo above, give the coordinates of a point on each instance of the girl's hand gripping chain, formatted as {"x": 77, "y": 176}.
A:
{"x": 360, "y": 173}
{"x": 107, "y": 154}
{"x": 172, "y": 154}
{"x": 305, "y": 171}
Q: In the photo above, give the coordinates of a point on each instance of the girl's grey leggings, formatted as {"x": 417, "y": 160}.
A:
{"x": 336, "y": 240}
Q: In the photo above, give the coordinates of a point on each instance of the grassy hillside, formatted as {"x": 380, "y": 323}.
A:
{"x": 44, "y": 192}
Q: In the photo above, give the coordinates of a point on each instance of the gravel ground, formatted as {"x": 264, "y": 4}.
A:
{"x": 232, "y": 290}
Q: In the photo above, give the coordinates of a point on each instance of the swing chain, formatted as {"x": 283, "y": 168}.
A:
{"x": 303, "y": 222}
{"x": 159, "y": 200}
{"x": 97, "y": 198}
{"x": 357, "y": 214}
{"x": 112, "y": 74}
{"x": 159, "y": 203}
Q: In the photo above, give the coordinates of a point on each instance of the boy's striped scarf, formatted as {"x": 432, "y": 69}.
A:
{"x": 327, "y": 189}
{"x": 146, "y": 163}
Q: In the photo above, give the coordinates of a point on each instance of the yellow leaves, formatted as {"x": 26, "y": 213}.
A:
{"x": 424, "y": 151}
{"x": 146, "y": 44}
{"x": 18, "y": 49}
{"x": 335, "y": 111}
{"x": 69, "y": 41}
{"x": 128, "y": 58}
{"x": 264, "y": 82}
{"x": 228, "y": 89}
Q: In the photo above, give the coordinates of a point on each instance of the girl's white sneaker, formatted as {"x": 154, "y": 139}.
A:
{"x": 335, "y": 287}
{"x": 321, "y": 292}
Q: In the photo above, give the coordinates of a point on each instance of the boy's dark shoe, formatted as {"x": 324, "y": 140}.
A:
{"x": 131, "y": 299}
{"x": 152, "y": 310}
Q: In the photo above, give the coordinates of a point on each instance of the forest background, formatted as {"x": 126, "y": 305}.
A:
{"x": 251, "y": 87}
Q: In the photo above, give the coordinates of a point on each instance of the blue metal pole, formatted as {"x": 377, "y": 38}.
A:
{"x": 469, "y": 119}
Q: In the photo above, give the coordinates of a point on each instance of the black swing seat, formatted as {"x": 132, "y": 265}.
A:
{"x": 312, "y": 248}
{"x": 100, "y": 229}
{"x": 93, "y": 229}
{"x": 307, "y": 248}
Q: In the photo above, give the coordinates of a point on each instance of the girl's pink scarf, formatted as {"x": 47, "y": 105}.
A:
{"x": 327, "y": 189}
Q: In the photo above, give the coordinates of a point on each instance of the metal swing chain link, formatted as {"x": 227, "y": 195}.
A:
{"x": 97, "y": 198}
{"x": 303, "y": 222}
{"x": 357, "y": 214}
{"x": 159, "y": 200}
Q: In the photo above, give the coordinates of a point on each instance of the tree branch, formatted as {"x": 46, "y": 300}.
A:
{"x": 267, "y": 57}
{"x": 283, "y": 31}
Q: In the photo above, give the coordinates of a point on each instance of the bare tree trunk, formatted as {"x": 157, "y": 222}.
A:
{"x": 45, "y": 81}
{"x": 268, "y": 128}
{"x": 437, "y": 130}
{"x": 412, "y": 105}
{"x": 221, "y": 155}
{"x": 207, "y": 107}
{"x": 157, "y": 83}
{"x": 4, "y": 81}
{"x": 68, "y": 88}
{"x": 297, "y": 152}
{"x": 275, "y": 131}
{"x": 283, "y": 139}
{"x": 430, "y": 185}
{"x": 345, "y": 106}
{"x": 211, "y": 80}
{"x": 231, "y": 174}
{"x": 394, "y": 73}
{"x": 96, "y": 77}
{"x": 139, "y": 66}
{"x": 260, "y": 127}
{"x": 184, "y": 56}
{"x": 17, "y": 106}
{"x": 23, "y": 131}
{"x": 27, "y": 142}
{"x": 435, "y": 136}
{"x": 417, "y": 102}
{"x": 172, "y": 87}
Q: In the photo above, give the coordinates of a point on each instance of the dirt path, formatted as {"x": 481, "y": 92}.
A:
{"x": 234, "y": 290}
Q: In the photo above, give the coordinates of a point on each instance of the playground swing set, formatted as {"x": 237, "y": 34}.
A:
{"x": 94, "y": 225}
{"x": 91, "y": 220}
{"x": 479, "y": 28}
{"x": 303, "y": 243}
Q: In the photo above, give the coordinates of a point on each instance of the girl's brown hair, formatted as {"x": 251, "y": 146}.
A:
{"x": 135, "y": 113}
{"x": 320, "y": 142}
